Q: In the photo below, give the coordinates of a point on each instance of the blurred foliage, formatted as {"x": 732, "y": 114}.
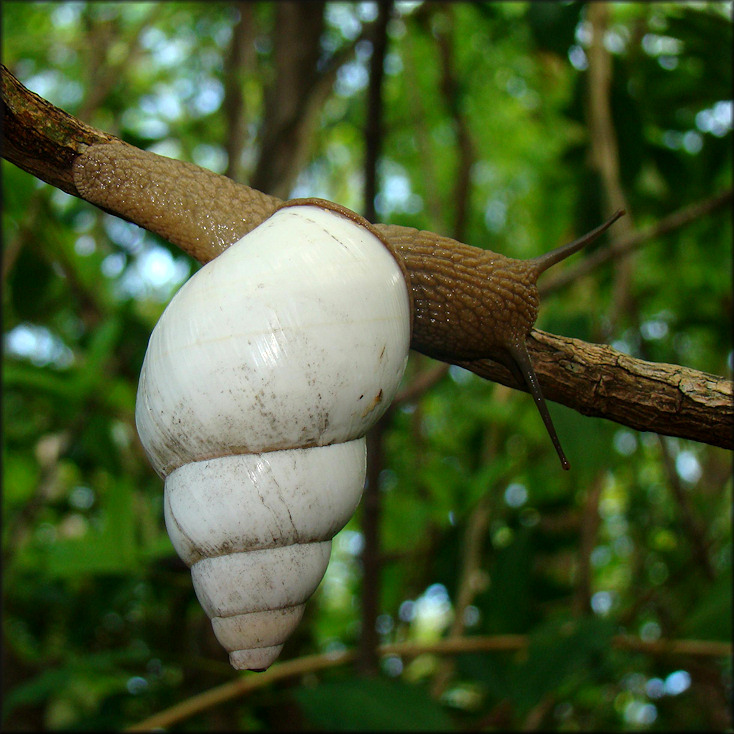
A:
{"x": 101, "y": 627}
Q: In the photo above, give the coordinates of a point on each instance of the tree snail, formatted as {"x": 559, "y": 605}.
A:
{"x": 468, "y": 303}
{"x": 259, "y": 383}
{"x": 276, "y": 358}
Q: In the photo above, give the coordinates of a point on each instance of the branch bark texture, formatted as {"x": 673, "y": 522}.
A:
{"x": 597, "y": 380}
{"x": 592, "y": 379}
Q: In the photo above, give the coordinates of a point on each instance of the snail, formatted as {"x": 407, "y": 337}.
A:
{"x": 468, "y": 303}
{"x": 259, "y": 383}
{"x": 271, "y": 363}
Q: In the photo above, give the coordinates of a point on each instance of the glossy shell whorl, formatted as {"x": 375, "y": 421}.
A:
{"x": 260, "y": 380}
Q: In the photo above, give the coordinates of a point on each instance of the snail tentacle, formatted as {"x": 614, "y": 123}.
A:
{"x": 521, "y": 359}
{"x": 548, "y": 259}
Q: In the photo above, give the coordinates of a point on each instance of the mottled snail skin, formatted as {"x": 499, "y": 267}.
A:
{"x": 476, "y": 304}
{"x": 468, "y": 303}
{"x": 201, "y": 212}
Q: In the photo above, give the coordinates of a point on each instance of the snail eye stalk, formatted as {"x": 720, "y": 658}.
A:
{"x": 521, "y": 358}
{"x": 548, "y": 259}
{"x": 519, "y": 351}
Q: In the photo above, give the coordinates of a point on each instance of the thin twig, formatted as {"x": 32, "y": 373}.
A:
{"x": 622, "y": 246}
{"x": 471, "y": 561}
{"x": 104, "y": 75}
{"x": 604, "y": 147}
{"x": 589, "y": 530}
{"x": 49, "y": 449}
{"x": 240, "y": 57}
{"x": 417, "y": 123}
{"x": 694, "y": 529}
{"x": 249, "y": 682}
{"x": 451, "y": 90}
{"x": 534, "y": 719}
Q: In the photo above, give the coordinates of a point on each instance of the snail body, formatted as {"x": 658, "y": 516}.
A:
{"x": 260, "y": 380}
{"x": 467, "y": 303}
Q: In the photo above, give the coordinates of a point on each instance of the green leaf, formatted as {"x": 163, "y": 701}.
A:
{"x": 111, "y": 549}
{"x": 559, "y": 649}
{"x": 711, "y": 617}
{"x": 30, "y": 286}
{"x": 506, "y": 605}
{"x": 96, "y": 671}
{"x": 372, "y": 705}
{"x": 20, "y": 477}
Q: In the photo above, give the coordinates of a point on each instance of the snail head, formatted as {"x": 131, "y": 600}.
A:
{"x": 471, "y": 304}
{"x": 516, "y": 356}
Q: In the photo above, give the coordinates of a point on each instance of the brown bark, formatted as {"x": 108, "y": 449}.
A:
{"x": 599, "y": 381}
{"x": 103, "y": 75}
{"x": 240, "y": 57}
{"x": 289, "y": 110}
{"x": 604, "y": 148}
{"x": 297, "y": 93}
{"x": 368, "y": 661}
{"x": 588, "y": 538}
{"x": 452, "y": 94}
{"x": 43, "y": 139}
{"x": 592, "y": 379}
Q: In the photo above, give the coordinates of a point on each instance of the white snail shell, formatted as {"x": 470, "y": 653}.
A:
{"x": 259, "y": 382}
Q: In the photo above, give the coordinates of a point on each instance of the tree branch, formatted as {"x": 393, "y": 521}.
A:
{"x": 592, "y": 379}
{"x": 621, "y": 246}
{"x": 240, "y": 57}
{"x": 452, "y": 94}
{"x": 597, "y": 380}
{"x": 590, "y": 522}
{"x": 368, "y": 661}
{"x": 469, "y": 583}
{"x": 604, "y": 148}
{"x": 42, "y": 139}
{"x": 244, "y": 684}
{"x": 691, "y": 524}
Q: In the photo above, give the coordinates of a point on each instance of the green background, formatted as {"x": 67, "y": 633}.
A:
{"x": 101, "y": 627}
